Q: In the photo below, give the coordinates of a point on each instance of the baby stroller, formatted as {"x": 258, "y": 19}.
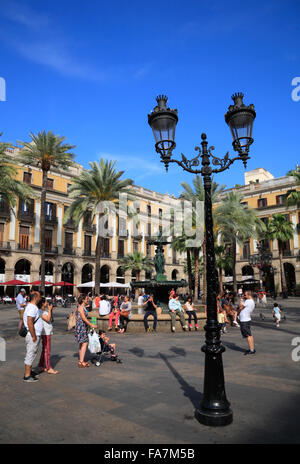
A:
{"x": 105, "y": 350}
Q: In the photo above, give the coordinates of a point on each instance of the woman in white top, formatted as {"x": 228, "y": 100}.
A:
{"x": 190, "y": 310}
{"x": 44, "y": 363}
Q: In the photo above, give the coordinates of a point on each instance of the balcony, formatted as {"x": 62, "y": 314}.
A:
{"x": 89, "y": 227}
{"x": 105, "y": 255}
{"x": 70, "y": 224}
{"x": 287, "y": 253}
{"x": 26, "y": 216}
{"x": 89, "y": 253}
{"x": 138, "y": 237}
{"x": 51, "y": 220}
{"x": 69, "y": 251}
{"x": 24, "y": 248}
{"x": 123, "y": 233}
{"x": 4, "y": 211}
{"x": 5, "y": 246}
{"x": 51, "y": 251}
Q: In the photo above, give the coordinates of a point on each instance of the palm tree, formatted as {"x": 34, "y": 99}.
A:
{"x": 293, "y": 196}
{"x": 191, "y": 264}
{"x": 46, "y": 151}
{"x": 223, "y": 262}
{"x": 282, "y": 230}
{"x": 236, "y": 222}
{"x": 136, "y": 262}
{"x": 10, "y": 188}
{"x": 100, "y": 185}
{"x": 179, "y": 244}
{"x": 193, "y": 195}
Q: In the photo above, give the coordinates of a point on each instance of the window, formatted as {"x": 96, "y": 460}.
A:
{"x": 246, "y": 250}
{"x": 87, "y": 245}
{"x": 1, "y": 233}
{"x": 48, "y": 240}
{"x": 49, "y": 185}
{"x": 135, "y": 246}
{"x": 265, "y": 220}
{"x": 27, "y": 177}
{"x": 280, "y": 199}
{"x": 24, "y": 238}
{"x": 68, "y": 187}
{"x": 68, "y": 241}
{"x": 262, "y": 203}
{"x": 148, "y": 249}
{"x": 122, "y": 226}
{"x": 244, "y": 203}
{"x": 50, "y": 211}
{"x": 121, "y": 248}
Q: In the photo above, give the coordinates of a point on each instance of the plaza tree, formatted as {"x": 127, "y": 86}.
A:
{"x": 282, "y": 230}
{"x": 223, "y": 263}
{"x": 94, "y": 191}
{"x": 236, "y": 222}
{"x": 293, "y": 196}
{"x": 193, "y": 195}
{"x": 11, "y": 189}
{"x": 46, "y": 151}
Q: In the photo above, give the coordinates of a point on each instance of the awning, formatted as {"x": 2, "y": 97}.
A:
{"x": 15, "y": 282}
{"x": 63, "y": 284}
{"x": 38, "y": 283}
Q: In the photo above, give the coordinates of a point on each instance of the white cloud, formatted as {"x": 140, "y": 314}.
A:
{"x": 134, "y": 164}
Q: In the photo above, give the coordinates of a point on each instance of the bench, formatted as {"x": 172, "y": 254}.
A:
{"x": 136, "y": 322}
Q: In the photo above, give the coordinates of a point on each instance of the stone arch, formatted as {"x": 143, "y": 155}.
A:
{"x": 289, "y": 270}
{"x": 174, "y": 274}
{"x": 86, "y": 273}
{"x": 120, "y": 275}
{"x": 22, "y": 267}
{"x": 104, "y": 274}
{"x": 2, "y": 266}
{"x": 49, "y": 269}
{"x": 247, "y": 270}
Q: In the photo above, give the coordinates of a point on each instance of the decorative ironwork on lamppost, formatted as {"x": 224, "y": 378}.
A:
{"x": 214, "y": 409}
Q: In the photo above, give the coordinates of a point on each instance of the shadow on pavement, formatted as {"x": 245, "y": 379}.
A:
{"x": 233, "y": 346}
{"x": 190, "y": 392}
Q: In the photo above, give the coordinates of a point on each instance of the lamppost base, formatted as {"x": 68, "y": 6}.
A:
{"x": 214, "y": 419}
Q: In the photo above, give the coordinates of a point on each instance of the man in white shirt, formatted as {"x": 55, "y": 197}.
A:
{"x": 104, "y": 306}
{"x": 34, "y": 324}
{"x": 21, "y": 303}
{"x": 141, "y": 301}
{"x": 245, "y": 310}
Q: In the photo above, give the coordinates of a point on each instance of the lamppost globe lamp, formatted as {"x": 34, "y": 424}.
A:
{"x": 162, "y": 121}
{"x": 240, "y": 118}
{"x": 214, "y": 409}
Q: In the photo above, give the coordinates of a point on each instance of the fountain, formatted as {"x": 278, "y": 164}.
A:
{"x": 159, "y": 286}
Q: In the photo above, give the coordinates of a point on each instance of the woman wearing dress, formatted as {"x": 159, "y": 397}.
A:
{"x": 82, "y": 329}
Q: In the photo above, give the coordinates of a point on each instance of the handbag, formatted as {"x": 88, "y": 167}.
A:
{"x": 124, "y": 313}
{"x": 72, "y": 321}
{"x": 24, "y": 331}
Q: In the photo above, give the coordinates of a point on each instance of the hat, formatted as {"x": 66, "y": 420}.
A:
{"x": 23, "y": 290}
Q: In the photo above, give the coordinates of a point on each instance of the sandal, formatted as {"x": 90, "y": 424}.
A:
{"x": 83, "y": 364}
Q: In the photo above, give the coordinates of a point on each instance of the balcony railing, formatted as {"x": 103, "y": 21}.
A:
{"x": 25, "y": 248}
{"x": 105, "y": 255}
{"x": 51, "y": 251}
{"x": 5, "y": 246}
{"x": 89, "y": 227}
{"x": 4, "y": 211}
{"x": 70, "y": 224}
{"x": 120, "y": 255}
{"x": 287, "y": 253}
{"x": 69, "y": 251}
{"x": 26, "y": 216}
{"x": 51, "y": 220}
{"x": 123, "y": 233}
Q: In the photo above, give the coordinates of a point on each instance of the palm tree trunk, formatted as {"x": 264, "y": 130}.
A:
{"x": 98, "y": 257}
{"x": 220, "y": 280}
{"x": 42, "y": 231}
{"x": 234, "y": 265}
{"x": 204, "y": 271}
{"x": 196, "y": 291}
{"x": 189, "y": 269}
{"x": 282, "y": 273}
{"x": 137, "y": 279}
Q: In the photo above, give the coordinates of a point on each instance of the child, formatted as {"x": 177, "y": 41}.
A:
{"x": 108, "y": 347}
{"x": 276, "y": 314}
{"x": 222, "y": 319}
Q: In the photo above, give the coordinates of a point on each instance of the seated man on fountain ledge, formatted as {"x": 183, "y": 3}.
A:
{"x": 174, "y": 309}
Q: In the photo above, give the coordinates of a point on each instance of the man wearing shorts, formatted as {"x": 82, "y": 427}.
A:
{"x": 21, "y": 303}
{"x": 245, "y": 310}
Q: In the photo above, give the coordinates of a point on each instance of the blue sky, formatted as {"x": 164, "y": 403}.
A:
{"x": 91, "y": 71}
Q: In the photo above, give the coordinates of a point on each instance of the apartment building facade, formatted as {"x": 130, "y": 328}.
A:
{"x": 70, "y": 250}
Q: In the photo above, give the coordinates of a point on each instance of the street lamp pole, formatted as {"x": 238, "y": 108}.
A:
{"x": 214, "y": 409}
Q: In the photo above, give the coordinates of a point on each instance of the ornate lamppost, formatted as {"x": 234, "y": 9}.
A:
{"x": 214, "y": 409}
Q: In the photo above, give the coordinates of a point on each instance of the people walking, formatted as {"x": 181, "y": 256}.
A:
{"x": 174, "y": 310}
{"x": 276, "y": 314}
{"x": 151, "y": 308}
{"x": 33, "y": 322}
{"x": 47, "y": 333}
{"x": 190, "y": 310}
{"x": 246, "y": 308}
{"x": 21, "y": 303}
{"x": 82, "y": 328}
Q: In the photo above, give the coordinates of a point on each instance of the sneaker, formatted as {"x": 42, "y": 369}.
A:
{"x": 236, "y": 324}
{"x": 149, "y": 330}
{"x": 30, "y": 379}
{"x": 34, "y": 374}
{"x": 109, "y": 329}
{"x": 196, "y": 327}
{"x": 173, "y": 329}
{"x": 249, "y": 352}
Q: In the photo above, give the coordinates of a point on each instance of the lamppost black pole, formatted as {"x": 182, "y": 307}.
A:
{"x": 214, "y": 409}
